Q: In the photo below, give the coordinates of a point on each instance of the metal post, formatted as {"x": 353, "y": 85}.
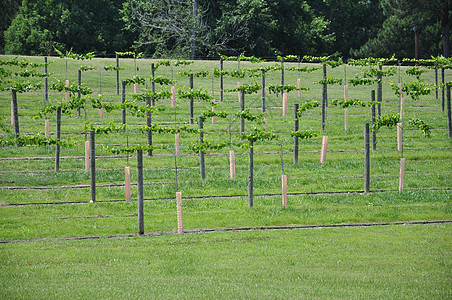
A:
{"x": 295, "y": 147}
{"x": 140, "y": 191}
{"x": 366, "y": 159}
{"x": 201, "y": 153}
{"x": 92, "y": 158}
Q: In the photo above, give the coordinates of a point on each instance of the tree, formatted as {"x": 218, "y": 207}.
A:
{"x": 9, "y": 10}
{"x": 84, "y": 26}
{"x": 432, "y": 17}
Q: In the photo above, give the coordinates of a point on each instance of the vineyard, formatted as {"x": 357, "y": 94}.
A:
{"x": 95, "y": 148}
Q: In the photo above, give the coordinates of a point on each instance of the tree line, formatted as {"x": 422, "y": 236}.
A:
{"x": 204, "y": 28}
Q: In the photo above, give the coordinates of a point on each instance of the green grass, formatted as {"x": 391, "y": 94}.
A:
{"x": 390, "y": 262}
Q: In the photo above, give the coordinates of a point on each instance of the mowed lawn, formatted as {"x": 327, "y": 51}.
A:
{"x": 381, "y": 262}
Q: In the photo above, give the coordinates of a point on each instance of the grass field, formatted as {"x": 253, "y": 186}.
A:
{"x": 380, "y": 262}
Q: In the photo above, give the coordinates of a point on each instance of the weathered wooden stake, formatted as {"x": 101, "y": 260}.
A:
{"x": 346, "y": 119}
{"x": 127, "y": 186}
{"x": 324, "y": 99}
{"x": 449, "y": 121}
{"x": 299, "y": 87}
{"x": 402, "y": 174}
{"x": 324, "y": 149}
{"x": 140, "y": 191}
{"x": 213, "y": 110}
{"x": 232, "y": 163}
{"x": 399, "y": 137}
{"x": 135, "y": 86}
{"x": 47, "y": 128}
{"x": 15, "y": 113}
{"x": 366, "y": 158}
{"x": 117, "y": 75}
{"x": 346, "y": 92}
{"x": 284, "y": 190}
{"x": 239, "y": 93}
{"x": 442, "y": 89}
{"x": 242, "y": 108}
{"x": 12, "y": 111}
{"x": 176, "y": 142}
{"x": 284, "y": 104}
{"x": 265, "y": 125}
{"x": 92, "y": 157}
{"x": 153, "y": 82}
{"x": 79, "y": 79}
{"x": 173, "y": 96}
{"x": 374, "y": 133}
{"x": 86, "y": 156}
{"x": 180, "y": 224}
{"x": 402, "y": 107}
{"x": 221, "y": 80}
{"x": 149, "y": 124}
{"x": 101, "y": 110}
{"x": 66, "y": 94}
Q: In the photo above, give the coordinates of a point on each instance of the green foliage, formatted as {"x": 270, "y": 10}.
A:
{"x": 132, "y": 149}
{"x": 162, "y": 80}
{"x": 361, "y": 81}
{"x": 242, "y": 57}
{"x": 246, "y": 88}
{"x": 205, "y": 146}
{"x": 137, "y": 80}
{"x": 390, "y": 120}
{"x": 74, "y": 88}
{"x": 182, "y": 63}
{"x": 164, "y": 129}
{"x": 277, "y": 88}
{"x": 421, "y": 125}
{"x": 257, "y": 134}
{"x": 308, "y": 105}
{"x": 33, "y": 140}
{"x": 86, "y": 68}
{"x": 415, "y": 89}
{"x": 71, "y": 54}
{"x": 304, "y": 69}
{"x": 415, "y": 71}
{"x": 347, "y": 103}
{"x": 209, "y": 114}
{"x": 21, "y": 87}
{"x": 112, "y": 68}
{"x": 306, "y": 134}
{"x": 247, "y": 115}
{"x": 330, "y": 80}
{"x": 199, "y": 94}
{"x": 104, "y": 129}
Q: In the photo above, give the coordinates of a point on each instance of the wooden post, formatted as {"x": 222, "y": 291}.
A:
{"x": 265, "y": 125}
{"x": 295, "y": 139}
{"x": 117, "y": 74}
{"x": 15, "y": 113}
{"x": 123, "y": 100}
{"x": 282, "y": 73}
{"x": 213, "y": 110}
{"x": 449, "y": 121}
{"x": 149, "y": 124}
{"x": 242, "y": 108}
{"x": 47, "y": 128}
{"x": 92, "y": 151}
{"x": 191, "y": 99}
{"x": 66, "y": 94}
{"x": 374, "y": 133}
{"x": 86, "y": 156}
{"x": 221, "y": 80}
{"x": 140, "y": 191}
{"x": 346, "y": 119}
{"x": 135, "y": 86}
{"x": 263, "y": 90}
{"x": 346, "y": 92}
{"x": 173, "y": 96}
{"x": 239, "y": 93}
{"x": 232, "y": 163}
{"x": 399, "y": 137}
{"x": 127, "y": 186}
{"x": 284, "y": 190}
{"x": 324, "y": 149}
{"x": 366, "y": 158}
{"x": 176, "y": 142}
{"x": 402, "y": 107}
{"x": 180, "y": 224}
{"x": 79, "y": 80}
{"x": 442, "y": 89}
{"x": 153, "y": 82}
{"x": 46, "y": 83}
{"x": 101, "y": 110}
{"x": 436, "y": 80}
{"x": 324, "y": 98}
{"x": 284, "y": 104}
{"x": 402, "y": 174}
{"x": 250, "y": 174}
{"x": 201, "y": 153}
{"x": 379, "y": 87}
{"x": 299, "y": 87}
{"x": 58, "y": 134}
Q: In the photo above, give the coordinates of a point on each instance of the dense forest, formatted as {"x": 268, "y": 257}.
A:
{"x": 204, "y": 28}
